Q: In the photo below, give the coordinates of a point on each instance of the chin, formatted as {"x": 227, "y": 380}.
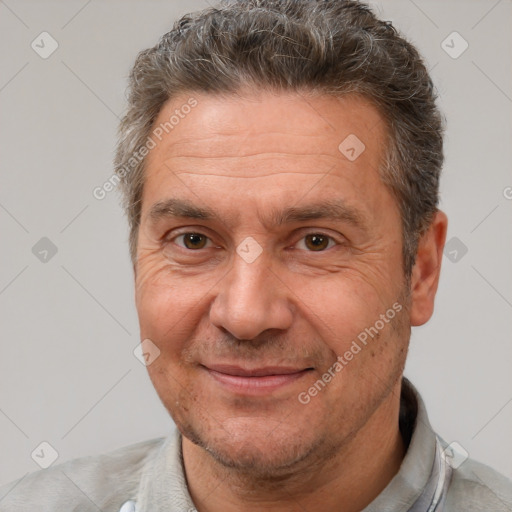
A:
{"x": 259, "y": 447}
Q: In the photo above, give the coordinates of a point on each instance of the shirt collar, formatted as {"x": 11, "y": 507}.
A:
{"x": 163, "y": 486}
{"x": 416, "y": 479}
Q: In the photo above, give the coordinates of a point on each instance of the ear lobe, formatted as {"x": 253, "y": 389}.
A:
{"x": 426, "y": 270}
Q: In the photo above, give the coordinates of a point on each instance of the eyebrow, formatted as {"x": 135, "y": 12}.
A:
{"x": 336, "y": 210}
{"x": 179, "y": 208}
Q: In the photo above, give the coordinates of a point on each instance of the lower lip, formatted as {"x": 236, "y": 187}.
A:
{"x": 256, "y": 385}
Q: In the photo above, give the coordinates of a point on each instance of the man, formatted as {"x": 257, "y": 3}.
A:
{"x": 280, "y": 164}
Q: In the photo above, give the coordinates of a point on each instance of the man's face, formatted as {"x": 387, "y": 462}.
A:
{"x": 244, "y": 335}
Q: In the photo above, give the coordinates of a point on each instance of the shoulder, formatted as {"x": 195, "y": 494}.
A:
{"x": 477, "y": 487}
{"x": 103, "y": 482}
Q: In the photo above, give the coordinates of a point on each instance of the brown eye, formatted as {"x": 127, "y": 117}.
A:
{"x": 316, "y": 242}
{"x": 194, "y": 240}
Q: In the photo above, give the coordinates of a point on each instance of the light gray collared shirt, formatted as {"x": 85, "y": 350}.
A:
{"x": 149, "y": 477}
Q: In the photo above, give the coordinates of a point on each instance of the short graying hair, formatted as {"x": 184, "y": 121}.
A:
{"x": 335, "y": 47}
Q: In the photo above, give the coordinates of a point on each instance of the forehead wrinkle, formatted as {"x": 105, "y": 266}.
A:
{"x": 251, "y": 177}
{"x": 181, "y": 138}
{"x": 222, "y": 145}
{"x": 258, "y": 154}
{"x": 181, "y": 165}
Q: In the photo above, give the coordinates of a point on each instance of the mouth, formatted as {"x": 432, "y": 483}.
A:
{"x": 255, "y": 381}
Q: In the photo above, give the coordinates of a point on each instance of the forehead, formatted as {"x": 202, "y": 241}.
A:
{"x": 269, "y": 122}
{"x": 275, "y": 147}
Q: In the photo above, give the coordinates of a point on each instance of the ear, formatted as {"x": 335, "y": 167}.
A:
{"x": 426, "y": 270}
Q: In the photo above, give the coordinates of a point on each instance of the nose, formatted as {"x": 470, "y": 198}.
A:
{"x": 251, "y": 299}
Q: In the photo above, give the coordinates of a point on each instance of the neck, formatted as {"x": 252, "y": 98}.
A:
{"x": 353, "y": 477}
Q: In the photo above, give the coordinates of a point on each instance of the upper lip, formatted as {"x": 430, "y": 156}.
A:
{"x": 253, "y": 372}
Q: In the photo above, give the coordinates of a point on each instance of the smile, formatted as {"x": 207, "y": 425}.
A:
{"x": 255, "y": 381}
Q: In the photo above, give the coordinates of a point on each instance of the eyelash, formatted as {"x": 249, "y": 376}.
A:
{"x": 167, "y": 240}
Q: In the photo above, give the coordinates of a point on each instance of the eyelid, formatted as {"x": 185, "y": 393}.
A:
{"x": 172, "y": 239}
{"x": 320, "y": 232}
{"x": 200, "y": 231}
{"x": 175, "y": 232}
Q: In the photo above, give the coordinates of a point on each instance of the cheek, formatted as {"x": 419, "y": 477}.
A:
{"x": 165, "y": 309}
{"x": 341, "y": 306}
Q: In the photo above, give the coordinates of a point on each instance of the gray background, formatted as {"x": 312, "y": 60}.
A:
{"x": 68, "y": 375}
